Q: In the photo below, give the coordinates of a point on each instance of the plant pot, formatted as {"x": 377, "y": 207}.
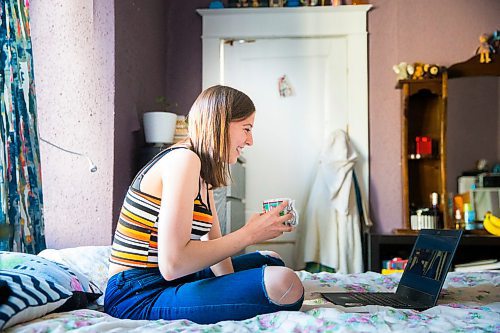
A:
{"x": 159, "y": 126}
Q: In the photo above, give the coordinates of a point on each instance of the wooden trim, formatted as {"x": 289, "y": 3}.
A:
{"x": 442, "y": 147}
{"x": 473, "y": 67}
{"x": 404, "y": 154}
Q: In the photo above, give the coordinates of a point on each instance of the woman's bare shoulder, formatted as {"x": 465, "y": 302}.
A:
{"x": 181, "y": 159}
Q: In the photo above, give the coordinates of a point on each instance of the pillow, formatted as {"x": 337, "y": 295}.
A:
{"x": 82, "y": 290}
{"x": 91, "y": 261}
{"x": 30, "y": 298}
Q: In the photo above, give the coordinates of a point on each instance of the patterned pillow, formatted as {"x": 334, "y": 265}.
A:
{"x": 82, "y": 290}
{"x": 91, "y": 261}
{"x": 29, "y": 298}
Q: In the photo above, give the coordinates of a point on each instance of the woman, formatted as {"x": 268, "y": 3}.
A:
{"x": 169, "y": 260}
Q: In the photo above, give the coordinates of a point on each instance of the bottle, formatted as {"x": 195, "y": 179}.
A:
{"x": 469, "y": 217}
{"x": 459, "y": 223}
{"x": 435, "y": 213}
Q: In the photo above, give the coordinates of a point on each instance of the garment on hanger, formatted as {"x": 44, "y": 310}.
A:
{"x": 331, "y": 231}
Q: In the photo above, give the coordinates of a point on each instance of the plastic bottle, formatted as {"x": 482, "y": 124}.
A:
{"x": 469, "y": 217}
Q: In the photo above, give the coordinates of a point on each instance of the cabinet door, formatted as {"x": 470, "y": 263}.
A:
{"x": 235, "y": 214}
{"x": 237, "y": 186}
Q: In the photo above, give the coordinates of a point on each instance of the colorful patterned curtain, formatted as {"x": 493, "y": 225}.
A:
{"x": 21, "y": 218}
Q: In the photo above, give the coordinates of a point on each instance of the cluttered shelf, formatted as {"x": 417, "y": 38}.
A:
{"x": 472, "y": 247}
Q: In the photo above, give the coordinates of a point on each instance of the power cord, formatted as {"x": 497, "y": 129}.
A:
{"x": 92, "y": 166}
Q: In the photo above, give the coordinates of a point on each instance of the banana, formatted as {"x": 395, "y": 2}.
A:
{"x": 492, "y": 224}
{"x": 495, "y": 220}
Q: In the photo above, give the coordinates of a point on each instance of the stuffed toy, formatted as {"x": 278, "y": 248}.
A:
{"x": 431, "y": 71}
{"x": 401, "y": 70}
{"x": 418, "y": 72}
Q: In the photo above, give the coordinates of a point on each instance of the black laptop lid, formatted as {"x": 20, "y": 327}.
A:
{"x": 428, "y": 265}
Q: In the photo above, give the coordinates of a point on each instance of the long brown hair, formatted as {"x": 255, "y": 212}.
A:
{"x": 208, "y": 126}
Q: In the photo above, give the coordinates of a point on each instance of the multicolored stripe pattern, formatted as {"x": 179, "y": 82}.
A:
{"x": 21, "y": 200}
{"x": 135, "y": 243}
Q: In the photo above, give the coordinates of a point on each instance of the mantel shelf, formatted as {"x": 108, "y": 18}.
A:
{"x": 280, "y": 10}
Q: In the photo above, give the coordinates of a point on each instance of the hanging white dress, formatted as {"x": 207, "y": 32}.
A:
{"x": 330, "y": 233}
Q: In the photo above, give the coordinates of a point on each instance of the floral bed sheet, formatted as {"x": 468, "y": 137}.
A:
{"x": 469, "y": 302}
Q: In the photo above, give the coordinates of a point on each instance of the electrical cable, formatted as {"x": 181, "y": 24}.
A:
{"x": 92, "y": 166}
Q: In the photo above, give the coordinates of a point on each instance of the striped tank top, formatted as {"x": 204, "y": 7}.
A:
{"x": 136, "y": 235}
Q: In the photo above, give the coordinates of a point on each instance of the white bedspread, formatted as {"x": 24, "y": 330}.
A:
{"x": 469, "y": 302}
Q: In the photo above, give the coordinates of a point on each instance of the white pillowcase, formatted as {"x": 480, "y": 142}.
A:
{"x": 91, "y": 261}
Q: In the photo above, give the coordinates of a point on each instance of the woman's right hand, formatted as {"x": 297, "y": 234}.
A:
{"x": 269, "y": 225}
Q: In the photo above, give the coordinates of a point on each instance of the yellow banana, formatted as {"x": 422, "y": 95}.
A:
{"x": 495, "y": 220}
{"x": 492, "y": 224}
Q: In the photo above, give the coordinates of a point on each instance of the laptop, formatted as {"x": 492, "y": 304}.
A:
{"x": 422, "y": 279}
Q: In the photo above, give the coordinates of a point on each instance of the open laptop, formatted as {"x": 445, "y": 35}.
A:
{"x": 422, "y": 278}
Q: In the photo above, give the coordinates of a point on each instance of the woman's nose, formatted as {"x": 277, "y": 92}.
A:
{"x": 249, "y": 140}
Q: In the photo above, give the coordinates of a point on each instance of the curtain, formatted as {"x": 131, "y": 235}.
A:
{"x": 21, "y": 217}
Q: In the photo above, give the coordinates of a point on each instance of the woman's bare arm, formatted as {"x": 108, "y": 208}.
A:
{"x": 178, "y": 255}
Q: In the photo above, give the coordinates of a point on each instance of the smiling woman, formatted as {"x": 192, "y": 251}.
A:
{"x": 168, "y": 250}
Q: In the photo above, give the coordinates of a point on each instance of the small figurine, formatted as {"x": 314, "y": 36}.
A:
{"x": 242, "y": 3}
{"x": 431, "y": 71}
{"x": 276, "y": 3}
{"x": 401, "y": 70}
{"x": 484, "y": 49}
{"x": 216, "y": 4}
{"x": 418, "y": 73}
{"x": 494, "y": 41}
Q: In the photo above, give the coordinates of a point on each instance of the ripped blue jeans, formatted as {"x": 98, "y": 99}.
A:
{"x": 142, "y": 293}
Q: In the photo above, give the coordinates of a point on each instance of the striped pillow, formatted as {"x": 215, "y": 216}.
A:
{"x": 83, "y": 291}
{"x": 30, "y": 298}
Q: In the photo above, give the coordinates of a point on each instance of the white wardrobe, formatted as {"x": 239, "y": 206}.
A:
{"x": 320, "y": 55}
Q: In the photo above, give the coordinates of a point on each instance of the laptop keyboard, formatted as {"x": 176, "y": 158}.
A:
{"x": 382, "y": 299}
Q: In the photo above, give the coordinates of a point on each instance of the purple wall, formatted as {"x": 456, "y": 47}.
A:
{"x": 473, "y": 113}
{"x": 184, "y": 52}
{"x": 442, "y": 32}
{"x": 140, "y": 28}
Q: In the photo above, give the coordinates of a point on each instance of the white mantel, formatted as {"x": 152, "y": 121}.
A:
{"x": 284, "y": 22}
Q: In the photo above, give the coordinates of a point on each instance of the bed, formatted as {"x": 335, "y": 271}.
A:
{"x": 469, "y": 302}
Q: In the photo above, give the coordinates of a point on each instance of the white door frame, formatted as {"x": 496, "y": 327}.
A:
{"x": 348, "y": 22}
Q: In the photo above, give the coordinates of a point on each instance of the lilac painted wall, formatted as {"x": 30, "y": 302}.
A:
{"x": 442, "y": 32}
{"x": 183, "y": 36}
{"x": 473, "y": 130}
{"x": 141, "y": 75}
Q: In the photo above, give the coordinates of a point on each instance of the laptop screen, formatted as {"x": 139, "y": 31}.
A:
{"x": 429, "y": 263}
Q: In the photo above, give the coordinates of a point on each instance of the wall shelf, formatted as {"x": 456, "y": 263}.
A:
{"x": 423, "y": 113}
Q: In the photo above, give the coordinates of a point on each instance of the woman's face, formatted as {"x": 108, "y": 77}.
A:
{"x": 240, "y": 135}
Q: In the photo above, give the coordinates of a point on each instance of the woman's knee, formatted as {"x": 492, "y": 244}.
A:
{"x": 271, "y": 254}
{"x": 282, "y": 285}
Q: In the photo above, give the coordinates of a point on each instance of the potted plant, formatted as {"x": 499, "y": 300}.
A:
{"x": 159, "y": 125}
